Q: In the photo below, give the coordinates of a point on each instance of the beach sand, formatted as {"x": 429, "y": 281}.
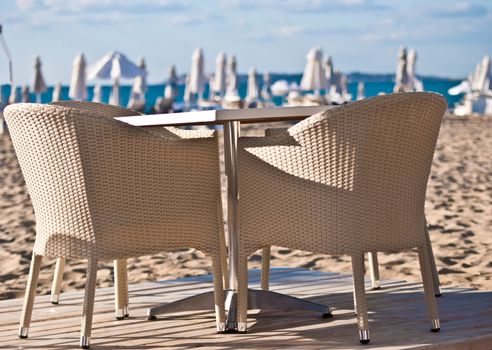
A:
{"x": 458, "y": 207}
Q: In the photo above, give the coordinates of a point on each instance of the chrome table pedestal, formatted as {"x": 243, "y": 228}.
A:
{"x": 257, "y": 299}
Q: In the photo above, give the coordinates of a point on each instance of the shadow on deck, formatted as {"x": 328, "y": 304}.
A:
{"x": 397, "y": 318}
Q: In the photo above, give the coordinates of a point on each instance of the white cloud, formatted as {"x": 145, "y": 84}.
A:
{"x": 192, "y": 19}
{"x": 287, "y": 31}
{"x": 25, "y": 5}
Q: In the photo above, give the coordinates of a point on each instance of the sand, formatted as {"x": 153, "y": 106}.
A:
{"x": 458, "y": 207}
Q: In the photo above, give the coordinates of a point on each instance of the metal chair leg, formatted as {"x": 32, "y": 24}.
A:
{"x": 219, "y": 294}
{"x": 121, "y": 289}
{"x": 435, "y": 276}
{"x": 360, "y": 297}
{"x": 57, "y": 280}
{"x": 265, "y": 268}
{"x": 32, "y": 283}
{"x": 374, "y": 270}
{"x": 88, "y": 309}
{"x": 426, "y": 271}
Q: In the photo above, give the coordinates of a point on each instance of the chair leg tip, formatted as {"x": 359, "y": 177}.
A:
{"x": 151, "y": 318}
{"x": 55, "y": 299}
{"x": 85, "y": 342}
{"x": 327, "y": 315}
{"x": 435, "y": 325}
{"x": 23, "y": 332}
{"x": 122, "y": 313}
{"x": 364, "y": 336}
{"x": 438, "y": 295}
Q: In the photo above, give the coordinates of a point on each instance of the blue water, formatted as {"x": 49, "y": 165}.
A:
{"x": 373, "y": 86}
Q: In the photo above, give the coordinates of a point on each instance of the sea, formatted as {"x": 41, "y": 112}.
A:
{"x": 374, "y": 84}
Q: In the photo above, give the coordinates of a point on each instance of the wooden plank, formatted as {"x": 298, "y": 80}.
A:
{"x": 397, "y": 318}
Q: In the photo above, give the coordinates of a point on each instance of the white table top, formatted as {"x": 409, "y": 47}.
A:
{"x": 251, "y": 115}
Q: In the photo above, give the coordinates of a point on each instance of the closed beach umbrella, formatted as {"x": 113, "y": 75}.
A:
{"x": 78, "y": 88}
{"x": 57, "y": 92}
{"x": 38, "y": 85}
{"x": 187, "y": 91}
{"x": 328, "y": 70}
{"x": 313, "y": 77}
{"x": 253, "y": 92}
{"x": 171, "y": 89}
{"x": 402, "y": 83}
{"x": 360, "y": 91}
{"x": 266, "y": 91}
{"x": 219, "y": 85}
{"x": 25, "y": 94}
{"x": 231, "y": 89}
{"x": 14, "y": 95}
{"x": 483, "y": 83}
{"x": 97, "y": 96}
{"x": 211, "y": 84}
{"x": 197, "y": 74}
{"x": 412, "y": 75}
{"x": 139, "y": 88}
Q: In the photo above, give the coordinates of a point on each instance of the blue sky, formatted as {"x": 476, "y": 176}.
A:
{"x": 274, "y": 35}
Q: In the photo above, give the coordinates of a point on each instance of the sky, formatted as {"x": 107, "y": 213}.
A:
{"x": 450, "y": 37}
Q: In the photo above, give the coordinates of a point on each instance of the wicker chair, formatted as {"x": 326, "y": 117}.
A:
{"x": 102, "y": 189}
{"x": 120, "y": 268}
{"x": 350, "y": 180}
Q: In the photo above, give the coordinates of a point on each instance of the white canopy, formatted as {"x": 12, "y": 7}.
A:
{"x": 313, "y": 77}
{"x": 253, "y": 91}
{"x": 114, "y": 65}
{"x": 280, "y": 88}
{"x": 219, "y": 85}
{"x": 78, "y": 88}
{"x": 198, "y": 79}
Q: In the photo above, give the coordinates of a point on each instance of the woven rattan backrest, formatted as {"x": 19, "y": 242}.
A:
{"x": 46, "y": 145}
{"x": 380, "y": 147}
{"x": 365, "y": 166}
{"x": 104, "y": 110}
{"x": 114, "y": 189}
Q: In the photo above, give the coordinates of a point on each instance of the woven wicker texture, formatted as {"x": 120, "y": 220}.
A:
{"x": 360, "y": 169}
{"x": 349, "y": 180}
{"x": 102, "y": 189}
{"x": 110, "y": 111}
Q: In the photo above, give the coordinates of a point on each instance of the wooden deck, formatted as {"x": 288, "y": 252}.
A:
{"x": 397, "y": 318}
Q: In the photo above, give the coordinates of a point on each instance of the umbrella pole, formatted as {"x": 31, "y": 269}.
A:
{"x": 38, "y": 98}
